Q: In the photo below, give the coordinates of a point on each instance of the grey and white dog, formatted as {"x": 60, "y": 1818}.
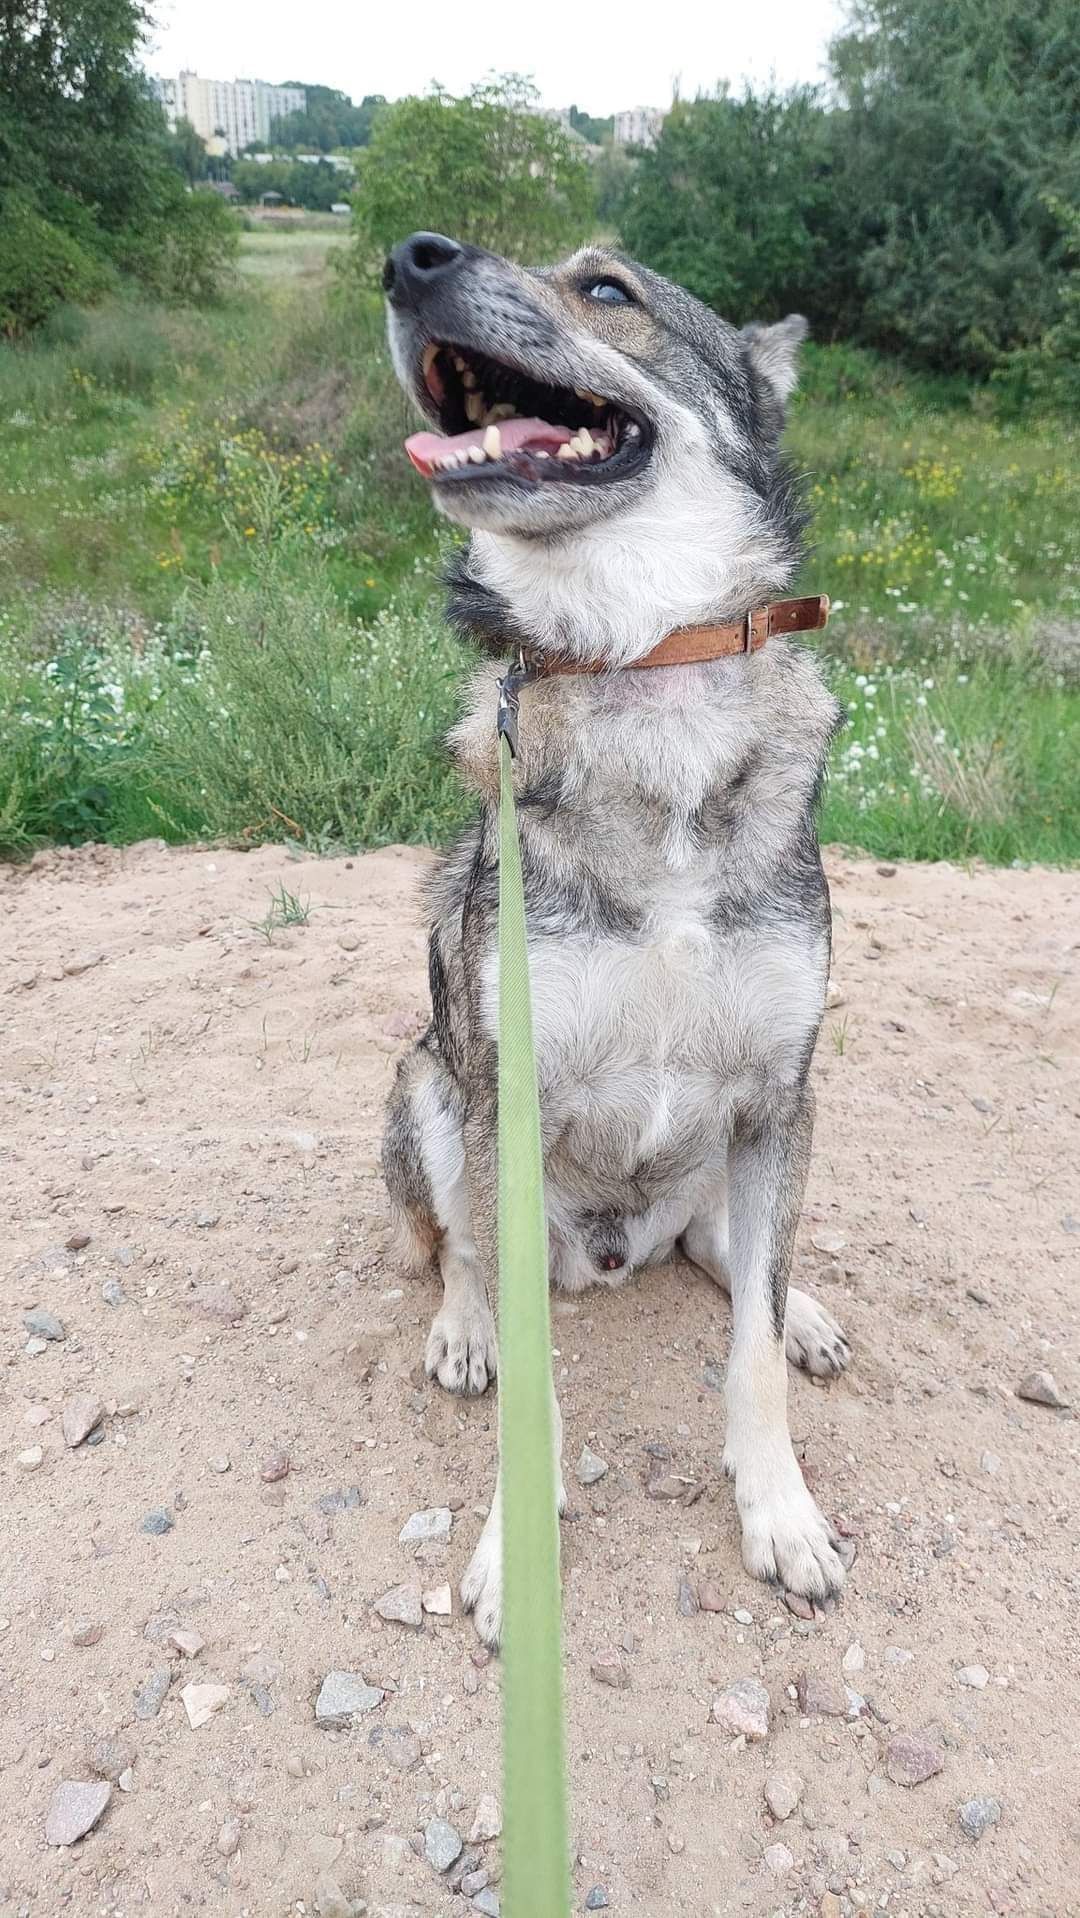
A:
{"x": 614, "y": 447}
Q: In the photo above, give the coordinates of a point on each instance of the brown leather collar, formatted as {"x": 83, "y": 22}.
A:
{"x": 693, "y": 645}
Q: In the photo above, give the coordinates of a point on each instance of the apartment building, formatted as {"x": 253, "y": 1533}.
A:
{"x": 638, "y": 126}
{"x": 228, "y": 114}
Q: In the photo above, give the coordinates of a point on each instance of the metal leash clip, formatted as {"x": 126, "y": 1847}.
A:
{"x": 509, "y": 689}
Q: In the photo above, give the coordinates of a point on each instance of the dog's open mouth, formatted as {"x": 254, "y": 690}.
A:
{"x": 498, "y": 422}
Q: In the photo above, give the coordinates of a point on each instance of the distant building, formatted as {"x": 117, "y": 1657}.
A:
{"x": 638, "y": 127}
{"x": 228, "y": 114}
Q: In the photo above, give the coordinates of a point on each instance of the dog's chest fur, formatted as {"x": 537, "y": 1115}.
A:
{"x": 678, "y": 921}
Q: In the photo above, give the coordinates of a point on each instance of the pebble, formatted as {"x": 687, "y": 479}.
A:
{"x": 608, "y": 1669}
{"x": 398, "y": 1744}
{"x": 202, "y": 1701}
{"x": 221, "y": 1462}
{"x": 1041, "y": 1388}
{"x": 274, "y": 1468}
{"x": 349, "y": 941}
{"x": 439, "y": 1601}
{"x": 778, "y": 1858}
{"x": 711, "y": 1599}
{"x": 151, "y": 1695}
{"x": 157, "y": 1522}
{"x": 591, "y": 1468}
{"x": 819, "y": 1697}
{"x": 81, "y": 962}
{"x": 472, "y": 1882}
{"x": 330, "y": 1900}
{"x": 486, "y": 1901}
{"x": 113, "y": 1292}
{"x": 79, "y": 1417}
{"x": 344, "y": 1696}
{"x": 783, "y": 1790}
{"x": 978, "y": 1815}
{"x": 833, "y": 996}
{"x": 597, "y": 1899}
{"x": 743, "y": 1709}
{"x": 262, "y": 1668}
{"x": 741, "y": 1616}
{"x": 800, "y": 1606}
{"x": 29, "y": 1460}
{"x": 687, "y": 1600}
{"x": 424, "y": 1527}
{"x": 348, "y": 1499}
{"x": 77, "y": 1242}
{"x": 488, "y": 1821}
{"x": 228, "y": 1838}
{"x": 990, "y": 1462}
{"x": 189, "y": 1643}
{"x": 402, "y": 1605}
{"x": 911, "y": 1761}
{"x": 108, "y": 1757}
{"x": 442, "y": 1844}
{"x": 34, "y": 1347}
{"x": 976, "y": 1676}
{"x": 75, "y": 1810}
{"x": 854, "y": 1659}
{"x": 830, "y": 1906}
{"x": 43, "y": 1324}
{"x": 86, "y": 1631}
{"x": 898, "y": 1655}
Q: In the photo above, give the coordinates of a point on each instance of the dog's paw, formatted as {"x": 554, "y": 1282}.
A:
{"x": 812, "y": 1337}
{"x": 785, "y": 1539}
{"x": 461, "y": 1350}
{"x": 481, "y": 1587}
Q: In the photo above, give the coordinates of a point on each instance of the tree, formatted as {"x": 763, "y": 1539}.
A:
{"x": 961, "y": 133}
{"x": 187, "y": 151}
{"x": 741, "y": 200}
{"x": 329, "y": 121}
{"x": 487, "y": 168}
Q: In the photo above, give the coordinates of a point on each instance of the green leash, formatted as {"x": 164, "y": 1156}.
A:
{"x": 536, "y": 1861}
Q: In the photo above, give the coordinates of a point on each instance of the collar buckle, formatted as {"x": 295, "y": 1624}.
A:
{"x": 509, "y": 691}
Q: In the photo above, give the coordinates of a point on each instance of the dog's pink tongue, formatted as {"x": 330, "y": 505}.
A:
{"x": 426, "y": 449}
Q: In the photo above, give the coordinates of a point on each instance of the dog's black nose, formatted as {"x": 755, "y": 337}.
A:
{"x": 418, "y": 264}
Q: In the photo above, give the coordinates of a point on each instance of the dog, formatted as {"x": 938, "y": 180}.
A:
{"x": 613, "y": 448}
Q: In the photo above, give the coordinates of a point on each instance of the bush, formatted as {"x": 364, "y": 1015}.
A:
{"x": 41, "y": 266}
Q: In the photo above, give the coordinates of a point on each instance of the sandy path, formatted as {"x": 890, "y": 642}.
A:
{"x": 206, "y": 1107}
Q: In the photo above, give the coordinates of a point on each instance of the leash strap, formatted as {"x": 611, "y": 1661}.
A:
{"x": 536, "y": 1862}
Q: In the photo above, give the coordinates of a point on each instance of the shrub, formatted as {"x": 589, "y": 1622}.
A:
{"x": 41, "y": 266}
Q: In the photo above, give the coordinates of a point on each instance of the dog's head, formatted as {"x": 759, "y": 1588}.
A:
{"x": 596, "y": 408}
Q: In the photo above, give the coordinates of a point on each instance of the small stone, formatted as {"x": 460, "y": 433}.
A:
{"x": 742, "y": 1616}
{"x": 833, "y": 996}
{"x": 29, "y": 1460}
{"x": 294, "y": 1765}
{"x": 398, "y": 1744}
{"x": 157, "y": 1522}
{"x": 43, "y": 1324}
{"x": 608, "y": 1669}
{"x": 819, "y": 1697}
{"x": 86, "y": 1631}
{"x": 1040, "y": 1388}
{"x": 274, "y": 1468}
{"x": 424, "y": 1527}
{"x": 829, "y": 1242}
{"x": 151, "y": 1695}
{"x": 221, "y": 1462}
{"x": 488, "y": 1821}
{"x": 487, "y": 1901}
{"x": 442, "y": 1844}
{"x": 402, "y": 1606}
{"x": 911, "y": 1761}
{"x": 801, "y": 1607}
{"x": 109, "y": 1757}
{"x": 886, "y": 872}
{"x": 81, "y": 962}
{"x": 830, "y": 1906}
{"x": 347, "y": 1499}
{"x": 202, "y": 1701}
{"x": 783, "y": 1791}
{"x": 743, "y": 1709}
{"x": 990, "y": 1462}
{"x": 978, "y": 1815}
{"x": 898, "y": 1655}
{"x": 711, "y": 1598}
{"x": 591, "y": 1468}
{"x": 854, "y": 1659}
{"x": 113, "y": 1293}
{"x": 976, "y": 1676}
{"x": 330, "y": 1900}
{"x": 472, "y": 1882}
{"x": 35, "y": 1347}
{"x": 228, "y": 1838}
{"x": 597, "y": 1899}
{"x": 77, "y": 1242}
{"x": 75, "y": 1810}
{"x": 262, "y": 1668}
{"x": 189, "y": 1643}
{"x": 687, "y": 1599}
{"x": 79, "y": 1417}
{"x": 439, "y": 1601}
{"x": 349, "y": 941}
{"x": 778, "y": 1859}
{"x": 344, "y": 1696}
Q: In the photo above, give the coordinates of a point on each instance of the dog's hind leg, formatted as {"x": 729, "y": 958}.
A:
{"x": 784, "y": 1535}
{"x": 812, "y": 1337}
{"x": 424, "y": 1163}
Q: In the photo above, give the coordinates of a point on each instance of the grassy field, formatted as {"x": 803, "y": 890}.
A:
{"x": 219, "y": 613}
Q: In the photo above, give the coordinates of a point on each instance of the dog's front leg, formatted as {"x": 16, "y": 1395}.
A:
{"x": 784, "y": 1536}
{"x": 481, "y": 1587}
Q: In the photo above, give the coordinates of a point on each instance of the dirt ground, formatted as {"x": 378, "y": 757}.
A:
{"x": 202, "y": 1107}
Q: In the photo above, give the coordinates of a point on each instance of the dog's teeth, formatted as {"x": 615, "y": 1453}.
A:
{"x": 539, "y": 455}
{"x": 501, "y": 412}
{"x": 493, "y": 443}
{"x": 603, "y": 446}
{"x": 468, "y": 377}
{"x": 567, "y": 452}
{"x": 474, "y": 408}
{"x": 459, "y": 362}
{"x": 583, "y": 393}
{"x": 584, "y": 442}
{"x": 477, "y": 455}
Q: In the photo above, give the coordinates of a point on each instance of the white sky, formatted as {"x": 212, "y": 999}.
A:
{"x": 596, "y": 53}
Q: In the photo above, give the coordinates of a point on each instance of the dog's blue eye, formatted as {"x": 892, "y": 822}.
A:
{"x": 610, "y": 292}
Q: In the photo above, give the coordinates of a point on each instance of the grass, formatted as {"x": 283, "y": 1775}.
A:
{"x": 219, "y": 618}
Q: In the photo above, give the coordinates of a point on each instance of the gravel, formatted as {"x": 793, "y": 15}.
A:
{"x": 488, "y": 1821}
{"x": 75, "y": 1809}
{"x": 402, "y": 1605}
{"x": 591, "y": 1468}
{"x": 42, "y": 1324}
{"x": 157, "y": 1522}
{"x": 978, "y": 1815}
{"x": 910, "y": 1760}
{"x": 976, "y": 1676}
{"x": 442, "y": 1844}
{"x": 151, "y": 1694}
{"x": 79, "y": 1417}
{"x": 424, "y": 1527}
{"x": 202, "y": 1701}
{"x": 1041, "y": 1388}
{"x": 783, "y": 1791}
{"x": 343, "y": 1697}
{"x": 743, "y": 1709}
{"x": 819, "y": 1697}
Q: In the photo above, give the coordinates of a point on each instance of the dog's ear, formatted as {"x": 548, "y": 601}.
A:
{"x": 774, "y": 353}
